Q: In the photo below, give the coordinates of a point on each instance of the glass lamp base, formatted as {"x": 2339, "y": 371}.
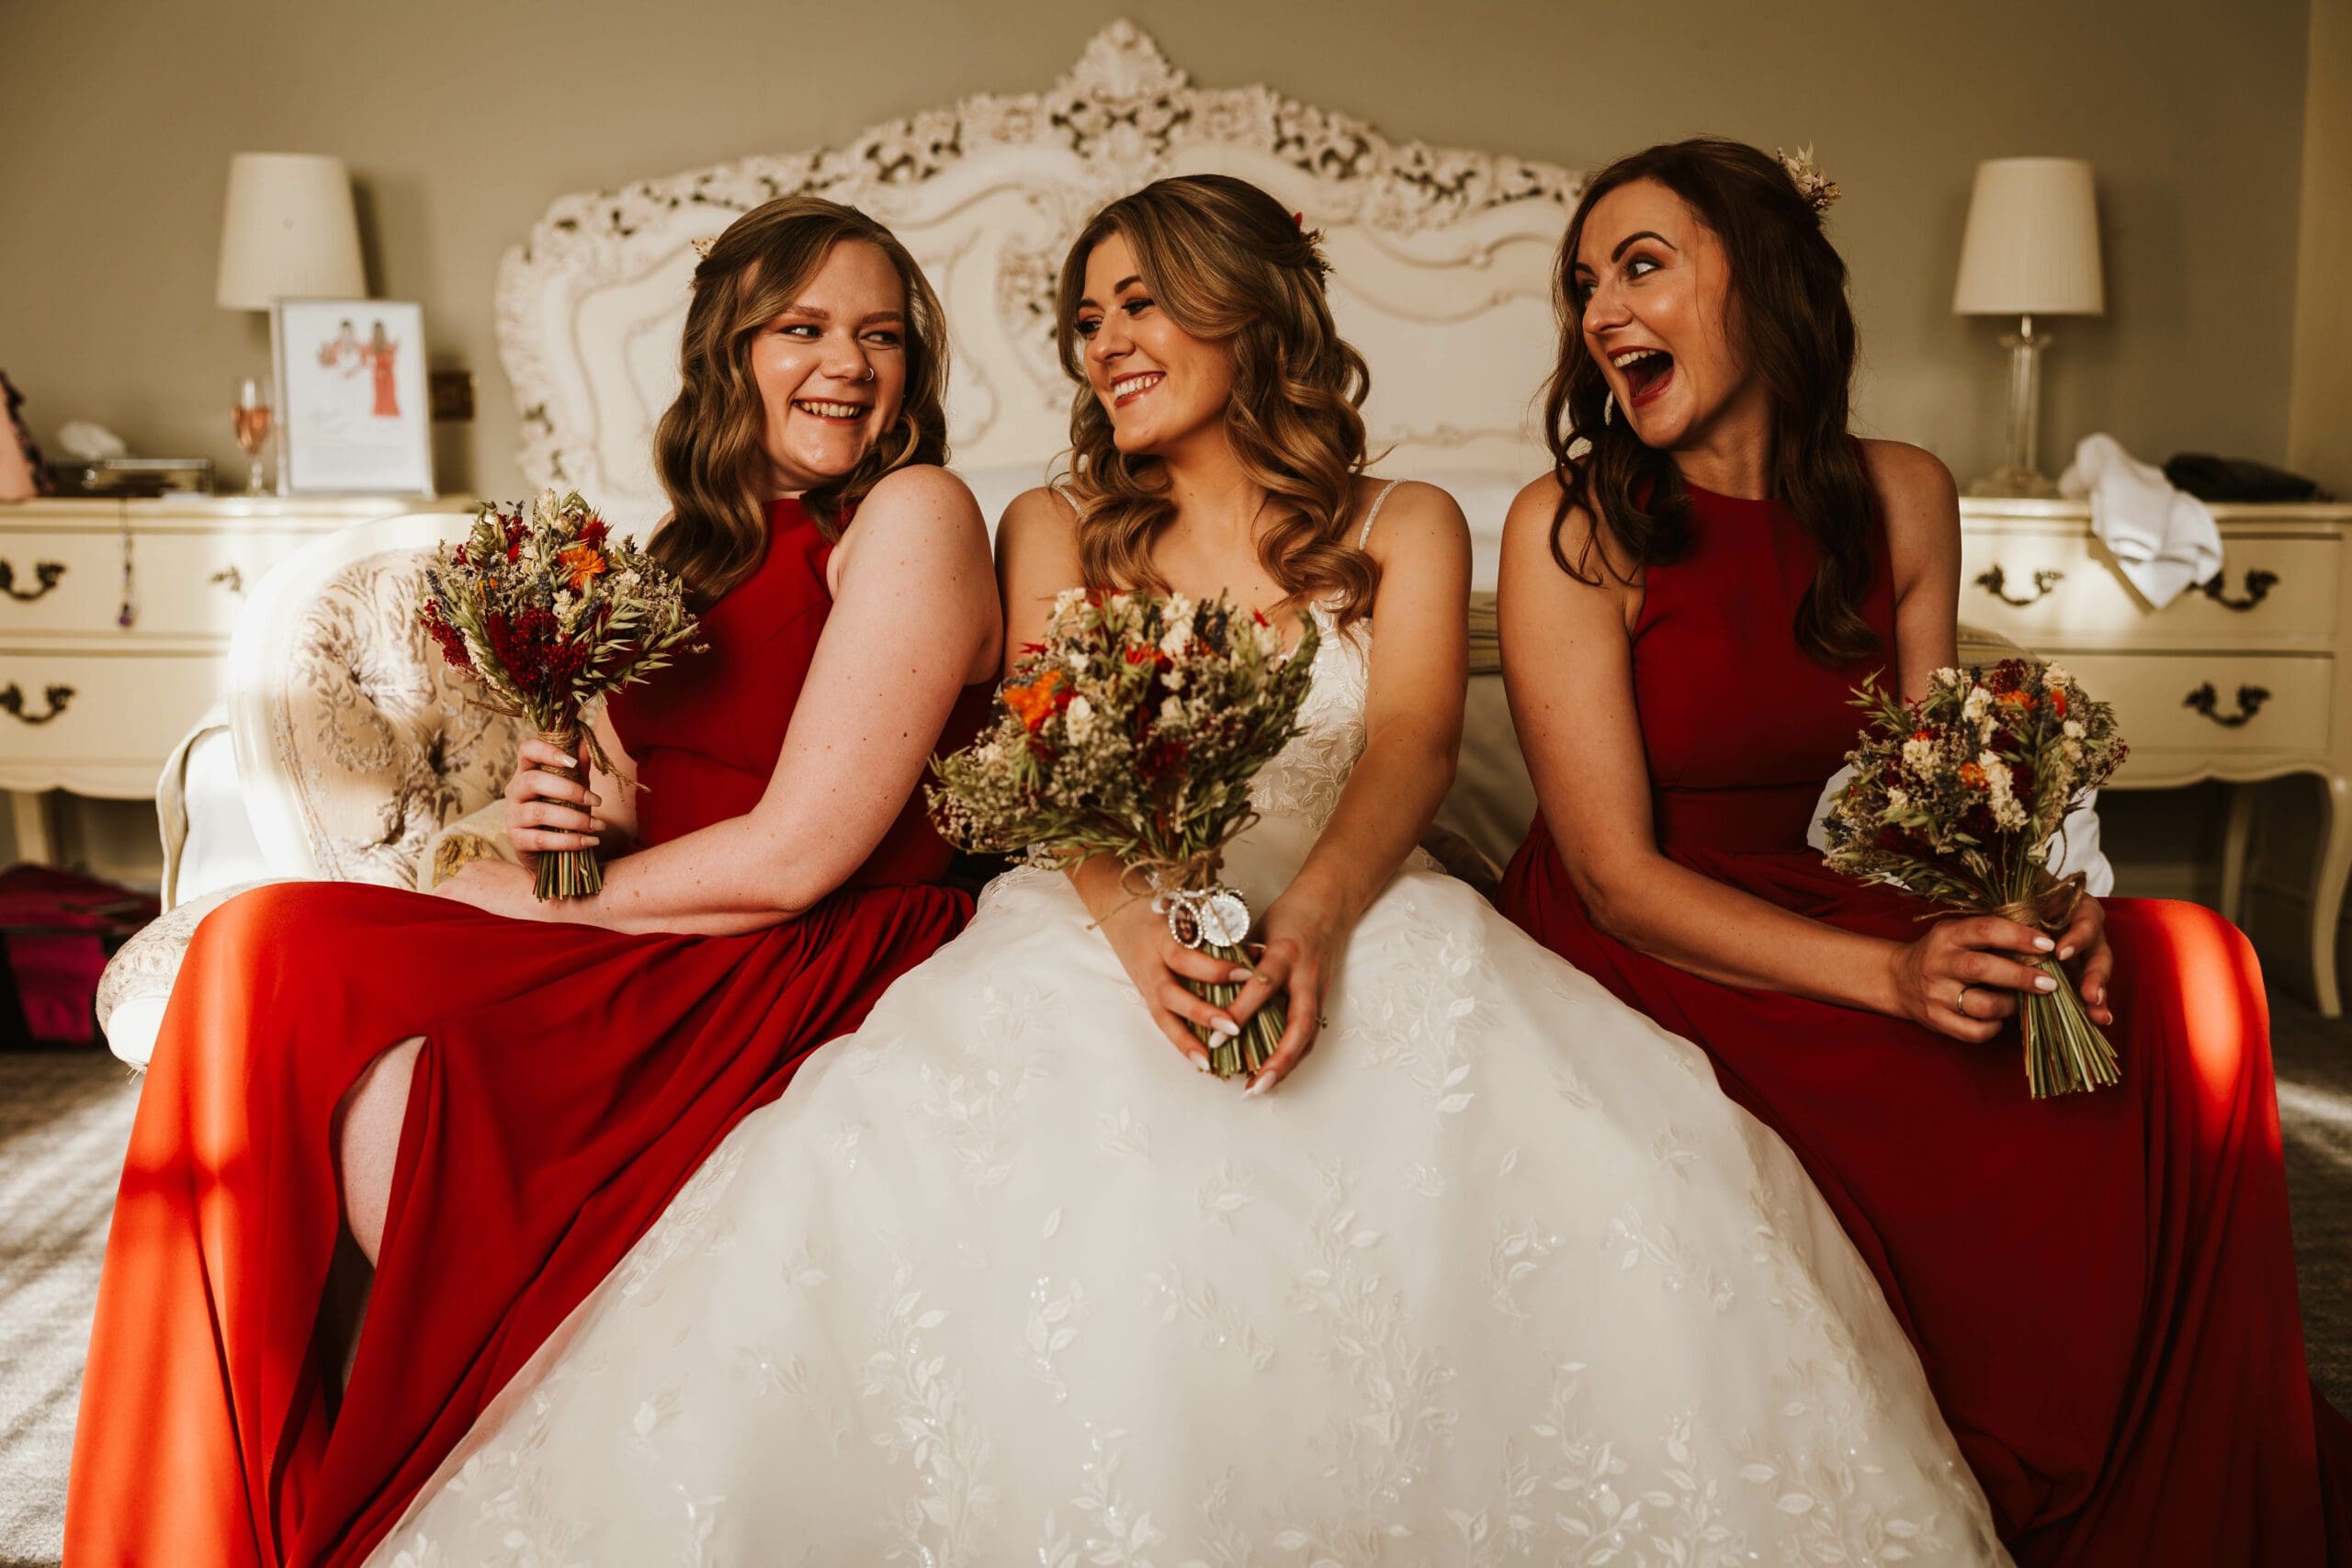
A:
{"x": 2011, "y": 481}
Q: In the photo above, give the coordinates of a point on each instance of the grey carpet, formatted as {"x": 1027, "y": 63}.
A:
{"x": 64, "y": 1119}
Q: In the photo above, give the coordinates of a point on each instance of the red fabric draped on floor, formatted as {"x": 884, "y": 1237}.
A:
{"x": 572, "y": 1079}
{"x": 2101, "y": 1286}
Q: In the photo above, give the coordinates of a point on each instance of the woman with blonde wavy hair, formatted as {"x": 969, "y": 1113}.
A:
{"x": 1498, "y": 1273}
{"x": 489, "y": 1098}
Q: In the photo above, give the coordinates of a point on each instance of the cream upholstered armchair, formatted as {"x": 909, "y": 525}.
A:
{"x": 359, "y": 755}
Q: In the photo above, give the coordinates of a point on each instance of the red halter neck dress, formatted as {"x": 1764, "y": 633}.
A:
{"x": 2102, "y": 1287}
{"x": 571, "y": 1078}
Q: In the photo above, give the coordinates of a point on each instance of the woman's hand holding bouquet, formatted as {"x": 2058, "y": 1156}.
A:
{"x": 549, "y": 612}
{"x": 1956, "y": 796}
{"x": 1134, "y": 731}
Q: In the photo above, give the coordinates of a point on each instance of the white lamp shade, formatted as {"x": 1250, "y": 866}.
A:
{"x": 2032, "y": 244}
{"x": 288, "y": 231}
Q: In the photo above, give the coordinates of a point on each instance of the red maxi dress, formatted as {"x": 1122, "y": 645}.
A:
{"x": 571, "y": 1078}
{"x": 2101, "y": 1286}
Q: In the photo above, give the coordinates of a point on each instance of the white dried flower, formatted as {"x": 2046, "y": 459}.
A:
{"x": 1817, "y": 188}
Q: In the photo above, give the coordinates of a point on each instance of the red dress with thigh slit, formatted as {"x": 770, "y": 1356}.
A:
{"x": 571, "y": 1078}
{"x": 2101, "y": 1286}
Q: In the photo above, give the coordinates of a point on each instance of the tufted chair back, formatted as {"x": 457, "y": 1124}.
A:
{"x": 356, "y": 743}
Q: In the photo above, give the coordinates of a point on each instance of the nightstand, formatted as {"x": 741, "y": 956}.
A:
{"x": 2237, "y": 681}
{"x": 115, "y": 618}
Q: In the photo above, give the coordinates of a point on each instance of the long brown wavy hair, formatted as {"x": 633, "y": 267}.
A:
{"x": 1789, "y": 321}
{"x": 1231, "y": 266}
{"x": 708, "y": 446}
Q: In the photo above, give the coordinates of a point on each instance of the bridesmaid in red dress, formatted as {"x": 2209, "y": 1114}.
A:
{"x": 546, "y": 1091}
{"x": 2101, "y": 1288}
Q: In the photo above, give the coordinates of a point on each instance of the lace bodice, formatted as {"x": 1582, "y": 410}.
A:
{"x": 1306, "y": 777}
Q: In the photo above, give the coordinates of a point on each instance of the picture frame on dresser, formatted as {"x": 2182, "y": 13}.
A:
{"x": 355, "y": 419}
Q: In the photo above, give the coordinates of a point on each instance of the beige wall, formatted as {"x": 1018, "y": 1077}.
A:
{"x": 2319, "y": 415}
{"x": 462, "y": 118}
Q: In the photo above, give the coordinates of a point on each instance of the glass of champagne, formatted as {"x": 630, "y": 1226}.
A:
{"x": 253, "y": 420}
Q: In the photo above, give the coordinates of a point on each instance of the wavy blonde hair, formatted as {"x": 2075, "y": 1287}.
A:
{"x": 708, "y": 447}
{"x": 1230, "y": 267}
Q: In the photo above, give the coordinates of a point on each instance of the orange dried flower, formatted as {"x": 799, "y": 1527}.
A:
{"x": 583, "y": 563}
{"x": 2018, "y": 699}
{"x": 1971, "y": 775}
{"x": 1035, "y": 702}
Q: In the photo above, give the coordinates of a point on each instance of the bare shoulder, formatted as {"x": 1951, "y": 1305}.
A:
{"x": 922, "y": 498}
{"x": 1919, "y": 503}
{"x": 1913, "y": 486}
{"x": 1041, "y": 514}
{"x": 1540, "y": 506}
{"x": 921, "y": 524}
{"x": 1415, "y": 518}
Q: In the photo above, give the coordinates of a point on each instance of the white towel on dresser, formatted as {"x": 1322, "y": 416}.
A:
{"x": 2163, "y": 540}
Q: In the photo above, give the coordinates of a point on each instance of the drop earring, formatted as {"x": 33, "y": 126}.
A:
{"x": 1608, "y": 409}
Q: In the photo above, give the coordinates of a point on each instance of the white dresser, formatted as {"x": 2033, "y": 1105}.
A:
{"x": 115, "y": 618}
{"x": 2243, "y": 680}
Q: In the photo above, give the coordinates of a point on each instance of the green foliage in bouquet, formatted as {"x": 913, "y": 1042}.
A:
{"x": 1134, "y": 730}
{"x": 1957, "y": 797}
{"x": 549, "y": 612}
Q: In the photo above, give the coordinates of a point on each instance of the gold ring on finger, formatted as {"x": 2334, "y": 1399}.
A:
{"x": 1959, "y": 1003}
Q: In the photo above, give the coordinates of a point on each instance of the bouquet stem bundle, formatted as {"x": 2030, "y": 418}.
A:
{"x": 549, "y": 613}
{"x": 1133, "y": 730}
{"x": 568, "y": 874}
{"x": 1205, "y": 914}
{"x": 1957, "y": 797}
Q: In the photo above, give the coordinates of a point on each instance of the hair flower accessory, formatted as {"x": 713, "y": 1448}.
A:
{"x": 1817, "y": 189}
{"x": 705, "y": 245}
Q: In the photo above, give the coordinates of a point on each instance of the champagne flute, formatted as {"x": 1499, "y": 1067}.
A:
{"x": 254, "y": 419}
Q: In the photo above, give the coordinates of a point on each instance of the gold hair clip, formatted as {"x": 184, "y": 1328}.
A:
{"x": 703, "y": 246}
{"x": 1805, "y": 174}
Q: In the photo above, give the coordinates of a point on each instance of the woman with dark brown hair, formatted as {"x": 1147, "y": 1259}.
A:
{"x": 490, "y": 1097}
{"x": 2101, "y": 1286}
{"x": 1003, "y": 1278}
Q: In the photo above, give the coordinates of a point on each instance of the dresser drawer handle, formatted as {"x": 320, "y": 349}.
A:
{"x": 1995, "y": 581}
{"x": 2205, "y": 699}
{"x": 46, "y": 572}
{"x": 2258, "y": 585}
{"x": 230, "y": 578}
{"x": 12, "y": 699}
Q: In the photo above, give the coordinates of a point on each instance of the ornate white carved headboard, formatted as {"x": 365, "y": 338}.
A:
{"x": 1441, "y": 272}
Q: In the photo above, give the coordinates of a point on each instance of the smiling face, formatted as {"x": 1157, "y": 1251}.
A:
{"x": 831, "y": 369}
{"x": 1654, "y": 283}
{"x": 1160, "y": 384}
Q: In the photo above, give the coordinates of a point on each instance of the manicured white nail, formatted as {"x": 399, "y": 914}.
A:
{"x": 2064, "y": 953}
{"x": 1256, "y": 1090}
{"x": 1224, "y": 1028}
{"x": 1238, "y": 977}
{"x": 1202, "y": 1063}
{"x": 2044, "y": 983}
{"x": 2045, "y": 943}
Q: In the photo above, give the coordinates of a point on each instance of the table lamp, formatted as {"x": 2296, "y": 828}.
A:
{"x": 287, "y": 233}
{"x": 2031, "y": 250}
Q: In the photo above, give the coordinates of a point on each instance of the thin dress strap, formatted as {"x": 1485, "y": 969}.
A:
{"x": 1370, "y": 517}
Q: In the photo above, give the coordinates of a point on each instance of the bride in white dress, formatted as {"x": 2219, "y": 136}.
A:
{"x": 1500, "y": 1275}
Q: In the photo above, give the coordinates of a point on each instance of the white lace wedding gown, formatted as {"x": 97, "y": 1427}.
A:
{"x": 1498, "y": 1275}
